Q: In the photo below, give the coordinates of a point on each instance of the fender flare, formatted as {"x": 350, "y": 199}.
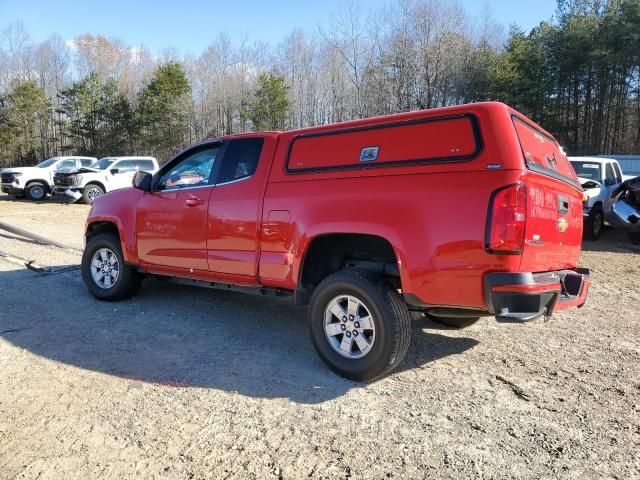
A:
{"x": 39, "y": 180}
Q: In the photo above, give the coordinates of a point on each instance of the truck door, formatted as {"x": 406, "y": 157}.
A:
{"x": 171, "y": 221}
{"x": 235, "y": 207}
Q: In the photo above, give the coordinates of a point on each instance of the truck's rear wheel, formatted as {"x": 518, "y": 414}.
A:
{"x": 36, "y": 191}
{"x": 359, "y": 324}
{"x": 91, "y": 192}
{"x": 104, "y": 272}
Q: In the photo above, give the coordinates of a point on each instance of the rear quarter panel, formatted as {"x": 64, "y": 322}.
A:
{"x": 434, "y": 215}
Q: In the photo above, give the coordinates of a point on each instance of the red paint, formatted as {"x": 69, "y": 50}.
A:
{"x": 551, "y": 287}
{"x": 256, "y": 232}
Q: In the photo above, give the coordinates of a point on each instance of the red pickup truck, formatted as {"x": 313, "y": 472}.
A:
{"x": 457, "y": 212}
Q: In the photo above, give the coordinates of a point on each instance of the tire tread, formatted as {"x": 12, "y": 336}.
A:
{"x": 388, "y": 299}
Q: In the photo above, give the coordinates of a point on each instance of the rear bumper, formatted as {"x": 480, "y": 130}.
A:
{"x": 521, "y": 297}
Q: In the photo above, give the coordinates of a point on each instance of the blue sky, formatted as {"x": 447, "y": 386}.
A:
{"x": 191, "y": 25}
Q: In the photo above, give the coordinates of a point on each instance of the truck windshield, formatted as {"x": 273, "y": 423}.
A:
{"x": 48, "y": 163}
{"x": 589, "y": 170}
{"x": 102, "y": 164}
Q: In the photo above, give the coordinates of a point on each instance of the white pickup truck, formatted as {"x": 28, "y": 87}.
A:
{"x": 105, "y": 175}
{"x": 36, "y": 182}
{"x": 599, "y": 177}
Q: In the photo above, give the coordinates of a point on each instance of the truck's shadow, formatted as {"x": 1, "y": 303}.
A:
{"x": 184, "y": 337}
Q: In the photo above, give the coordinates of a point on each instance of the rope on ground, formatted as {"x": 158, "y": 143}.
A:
{"x": 36, "y": 238}
{"x": 34, "y": 267}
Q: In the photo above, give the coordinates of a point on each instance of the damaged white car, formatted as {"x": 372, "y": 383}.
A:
{"x": 105, "y": 175}
{"x": 599, "y": 177}
{"x": 626, "y": 208}
{"x": 36, "y": 183}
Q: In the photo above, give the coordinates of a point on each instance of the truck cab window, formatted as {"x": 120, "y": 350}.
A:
{"x": 125, "y": 166}
{"x": 616, "y": 167}
{"x": 144, "y": 165}
{"x": 193, "y": 170}
{"x": 240, "y": 160}
{"x": 610, "y": 177}
{"x": 66, "y": 164}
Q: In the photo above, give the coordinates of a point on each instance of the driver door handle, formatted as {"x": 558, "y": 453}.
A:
{"x": 193, "y": 202}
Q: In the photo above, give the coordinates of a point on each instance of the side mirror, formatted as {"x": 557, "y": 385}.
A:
{"x": 114, "y": 171}
{"x": 142, "y": 181}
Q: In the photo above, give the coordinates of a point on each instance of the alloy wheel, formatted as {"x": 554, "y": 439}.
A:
{"x": 105, "y": 268}
{"x": 349, "y": 327}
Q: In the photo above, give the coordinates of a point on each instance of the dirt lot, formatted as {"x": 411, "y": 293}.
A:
{"x": 183, "y": 383}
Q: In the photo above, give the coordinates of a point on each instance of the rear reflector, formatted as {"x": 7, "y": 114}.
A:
{"x": 506, "y": 221}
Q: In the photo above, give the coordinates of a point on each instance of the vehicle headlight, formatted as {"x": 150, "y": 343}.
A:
{"x": 78, "y": 179}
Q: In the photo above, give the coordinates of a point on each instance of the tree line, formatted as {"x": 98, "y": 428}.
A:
{"x": 577, "y": 74}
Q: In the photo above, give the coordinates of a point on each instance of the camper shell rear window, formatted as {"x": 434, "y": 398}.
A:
{"x": 431, "y": 140}
{"x": 542, "y": 153}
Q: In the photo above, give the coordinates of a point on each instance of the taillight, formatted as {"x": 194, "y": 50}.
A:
{"x": 507, "y": 220}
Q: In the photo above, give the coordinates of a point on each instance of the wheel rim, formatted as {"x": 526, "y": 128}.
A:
{"x": 93, "y": 193}
{"x": 36, "y": 192}
{"x": 105, "y": 268}
{"x": 349, "y": 327}
{"x": 597, "y": 224}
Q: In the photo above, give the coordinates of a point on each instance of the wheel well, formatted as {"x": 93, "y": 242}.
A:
{"x": 330, "y": 253}
{"x": 96, "y": 228}
{"x": 94, "y": 182}
{"x": 44, "y": 183}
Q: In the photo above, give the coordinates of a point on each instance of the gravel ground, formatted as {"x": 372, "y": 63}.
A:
{"x": 184, "y": 383}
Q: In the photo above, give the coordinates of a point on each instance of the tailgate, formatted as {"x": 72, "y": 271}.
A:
{"x": 553, "y": 232}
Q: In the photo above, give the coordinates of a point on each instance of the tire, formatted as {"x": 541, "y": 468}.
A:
{"x": 594, "y": 225}
{"x": 634, "y": 237}
{"x": 36, "y": 191}
{"x": 388, "y": 339}
{"x": 455, "y": 322}
{"x": 91, "y": 192}
{"x": 123, "y": 284}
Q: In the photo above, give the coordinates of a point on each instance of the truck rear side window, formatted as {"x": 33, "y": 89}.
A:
{"x": 240, "y": 160}
{"x": 542, "y": 153}
{"x": 422, "y": 141}
{"x": 145, "y": 165}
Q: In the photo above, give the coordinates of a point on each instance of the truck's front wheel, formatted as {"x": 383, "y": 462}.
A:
{"x": 36, "y": 191}
{"x": 104, "y": 272}
{"x": 594, "y": 224}
{"x": 91, "y": 192}
{"x": 359, "y": 324}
